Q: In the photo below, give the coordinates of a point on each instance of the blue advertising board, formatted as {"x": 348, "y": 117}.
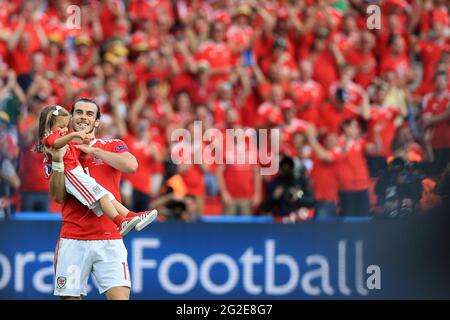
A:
{"x": 378, "y": 259}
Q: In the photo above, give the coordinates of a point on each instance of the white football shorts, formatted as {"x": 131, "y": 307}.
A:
{"x": 76, "y": 259}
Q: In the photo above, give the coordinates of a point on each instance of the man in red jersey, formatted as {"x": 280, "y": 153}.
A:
{"x": 436, "y": 118}
{"x": 352, "y": 171}
{"x": 384, "y": 115}
{"x": 89, "y": 243}
{"x": 324, "y": 172}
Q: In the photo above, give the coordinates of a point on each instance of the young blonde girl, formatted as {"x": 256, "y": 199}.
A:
{"x": 54, "y": 133}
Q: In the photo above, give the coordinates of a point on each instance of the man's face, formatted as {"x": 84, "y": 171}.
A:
{"x": 350, "y": 24}
{"x": 3, "y": 70}
{"x": 440, "y": 82}
{"x": 367, "y": 41}
{"x": 277, "y": 94}
{"x": 232, "y": 116}
{"x": 381, "y": 95}
{"x": 306, "y": 70}
{"x": 331, "y": 141}
{"x": 154, "y": 92}
{"x": 38, "y": 62}
{"x": 24, "y": 40}
{"x": 320, "y": 43}
{"x": 352, "y": 130}
{"x": 298, "y": 140}
{"x": 84, "y": 117}
{"x": 398, "y": 46}
{"x": 218, "y": 32}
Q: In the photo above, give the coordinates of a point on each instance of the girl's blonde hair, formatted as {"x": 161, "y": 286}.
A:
{"x": 46, "y": 121}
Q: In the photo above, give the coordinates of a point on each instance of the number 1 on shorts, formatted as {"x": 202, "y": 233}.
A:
{"x": 124, "y": 270}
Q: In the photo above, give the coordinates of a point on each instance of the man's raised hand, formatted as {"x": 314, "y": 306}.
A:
{"x": 85, "y": 149}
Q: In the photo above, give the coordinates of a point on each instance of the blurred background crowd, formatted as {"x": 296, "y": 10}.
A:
{"x": 364, "y": 114}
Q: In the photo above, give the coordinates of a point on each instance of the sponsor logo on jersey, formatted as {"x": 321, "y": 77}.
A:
{"x": 120, "y": 148}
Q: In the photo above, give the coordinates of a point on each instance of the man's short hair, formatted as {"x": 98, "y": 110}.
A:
{"x": 287, "y": 162}
{"x": 87, "y": 100}
{"x": 153, "y": 83}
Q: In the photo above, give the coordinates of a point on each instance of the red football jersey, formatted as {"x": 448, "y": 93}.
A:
{"x": 219, "y": 56}
{"x": 78, "y": 222}
{"x": 141, "y": 179}
{"x": 434, "y": 106}
{"x": 308, "y": 96}
{"x": 240, "y": 162}
{"x": 365, "y": 65}
{"x": 352, "y": 171}
{"x": 430, "y": 52}
{"x": 269, "y": 114}
{"x": 324, "y": 176}
{"x": 386, "y": 116}
{"x": 330, "y": 118}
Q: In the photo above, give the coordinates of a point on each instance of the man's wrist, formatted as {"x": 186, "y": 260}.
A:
{"x": 96, "y": 151}
{"x": 57, "y": 166}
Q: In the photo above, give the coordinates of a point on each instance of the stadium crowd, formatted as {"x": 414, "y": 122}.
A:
{"x": 364, "y": 114}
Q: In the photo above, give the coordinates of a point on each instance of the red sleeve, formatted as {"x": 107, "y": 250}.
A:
{"x": 49, "y": 141}
{"x": 117, "y": 146}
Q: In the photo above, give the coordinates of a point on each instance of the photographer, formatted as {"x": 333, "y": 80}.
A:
{"x": 174, "y": 203}
{"x": 399, "y": 190}
{"x": 288, "y": 196}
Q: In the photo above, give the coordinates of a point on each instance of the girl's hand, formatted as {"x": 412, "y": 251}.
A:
{"x": 57, "y": 154}
{"x": 81, "y": 134}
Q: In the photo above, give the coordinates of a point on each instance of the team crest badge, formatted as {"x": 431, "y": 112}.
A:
{"x": 96, "y": 189}
{"x": 61, "y": 282}
{"x": 97, "y": 161}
